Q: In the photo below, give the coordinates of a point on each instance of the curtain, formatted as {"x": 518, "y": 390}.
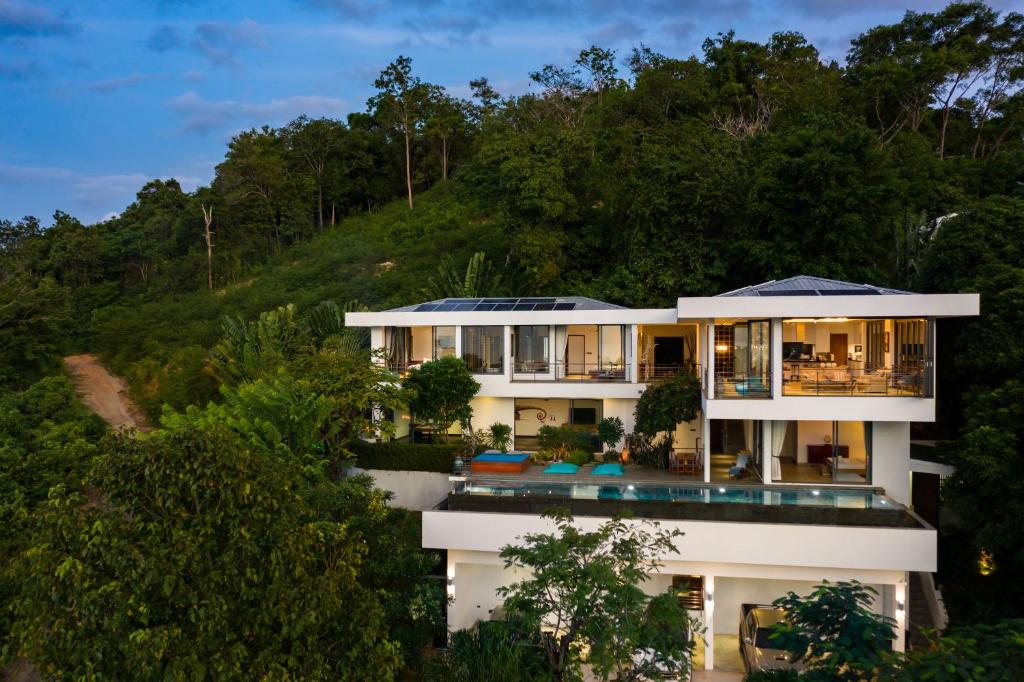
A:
{"x": 399, "y": 343}
{"x": 867, "y": 451}
{"x": 779, "y": 429}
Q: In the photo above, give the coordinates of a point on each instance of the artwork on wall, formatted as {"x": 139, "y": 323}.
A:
{"x": 858, "y": 348}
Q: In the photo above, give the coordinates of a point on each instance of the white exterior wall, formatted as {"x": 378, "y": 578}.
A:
{"x": 890, "y": 459}
{"x": 488, "y": 410}
{"x": 825, "y": 408}
{"x": 415, "y": 490}
{"x": 623, "y": 409}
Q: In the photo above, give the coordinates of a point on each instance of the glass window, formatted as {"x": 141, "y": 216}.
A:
{"x": 444, "y": 342}
{"x": 532, "y": 348}
{"x": 483, "y": 349}
{"x": 612, "y": 346}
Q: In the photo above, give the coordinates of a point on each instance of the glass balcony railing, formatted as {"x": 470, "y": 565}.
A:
{"x": 743, "y": 384}
{"x": 571, "y": 371}
{"x": 839, "y": 380}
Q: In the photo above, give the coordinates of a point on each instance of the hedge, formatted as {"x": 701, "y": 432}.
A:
{"x": 405, "y": 456}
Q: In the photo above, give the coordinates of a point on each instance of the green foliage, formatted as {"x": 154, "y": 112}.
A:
{"x": 232, "y": 572}
{"x": 982, "y": 652}
{"x": 492, "y": 650}
{"x": 610, "y": 431}
{"x": 564, "y": 439}
{"x": 479, "y": 280}
{"x": 834, "y": 626}
{"x": 440, "y": 392}
{"x": 579, "y": 458}
{"x": 403, "y": 456}
{"x": 667, "y": 403}
{"x": 587, "y": 583}
{"x": 499, "y": 436}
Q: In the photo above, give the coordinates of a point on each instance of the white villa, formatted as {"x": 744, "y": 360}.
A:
{"x": 811, "y": 383}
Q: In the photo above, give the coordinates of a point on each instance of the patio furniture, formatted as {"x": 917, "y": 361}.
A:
{"x": 684, "y": 463}
{"x": 561, "y": 468}
{"x": 740, "y": 468}
{"x": 607, "y": 470}
{"x": 500, "y": 463}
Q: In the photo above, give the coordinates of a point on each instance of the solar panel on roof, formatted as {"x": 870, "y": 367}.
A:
{"x": 446, "y": 307}
{"x": 426, "y": 307}
{"x": 484, "y": 306}
{"x": 500, "y": 300}
{"x": 464, "y": 307}
{"x": 565, "y": 306}
{"x": 544, "y": 306}
{"x": 789, "y": 292}
{"x": 523, "y": 306}
{"x": 503, "y": 306}
{"x": 536, "y": 300}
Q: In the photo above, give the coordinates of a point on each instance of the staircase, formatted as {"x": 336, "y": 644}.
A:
{"x": 920, "y": 616}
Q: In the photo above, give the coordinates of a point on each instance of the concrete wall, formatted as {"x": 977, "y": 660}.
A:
{"x": 415, "y": 490}
{"x": 890, "y": 458}
{"x": 487, "y": 411}
{"x": 554, "y": 410}
{"x": 623, "y": 409}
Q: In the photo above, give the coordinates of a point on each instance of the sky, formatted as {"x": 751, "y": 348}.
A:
{"x": 99, "y": 96}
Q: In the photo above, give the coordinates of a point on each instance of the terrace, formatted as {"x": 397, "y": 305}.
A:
{"x": 648, "y": 496}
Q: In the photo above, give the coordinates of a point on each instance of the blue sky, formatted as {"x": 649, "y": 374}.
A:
{"x": 99, "y": 96}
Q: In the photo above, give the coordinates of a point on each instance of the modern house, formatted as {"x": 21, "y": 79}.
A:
{"x": 811, "y": 383}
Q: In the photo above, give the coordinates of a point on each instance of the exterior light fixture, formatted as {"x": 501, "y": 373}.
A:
{"x": 815, "y": 492}
{"x": 900, "y": 607}
{"x": 721, "y": 490}
{"x": 722, "y": 347}
{"x": 986, "y": 562}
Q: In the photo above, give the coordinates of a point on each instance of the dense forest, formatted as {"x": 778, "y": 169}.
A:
{"x": 633, "y": 178}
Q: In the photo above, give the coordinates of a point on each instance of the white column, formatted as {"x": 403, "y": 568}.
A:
{"x": 766, "y": 451}
{"x": 711, "y": 359}
{"x": 377, "y": 339}
{"x": 633, "y": 357}
{"x": 507, "y": 352}
{"x": 776, "y": 362}
{"x": 709, "y": 622}
{"x": 458, "y": 342}
{"x": 902, "y": 595}
{"x": 706, "y": 442}
{"x": 450, "y": 573}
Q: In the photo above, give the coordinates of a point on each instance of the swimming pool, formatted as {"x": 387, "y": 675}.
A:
{"x": 841, "y": 498}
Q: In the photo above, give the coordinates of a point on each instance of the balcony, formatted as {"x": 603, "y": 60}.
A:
{"x": 804, "y": 379}
{"x": 743, "y": 385}
{"x": 572, "y": 372}
{"x": 690, "y": 501}
{"x": 649, "y": 372}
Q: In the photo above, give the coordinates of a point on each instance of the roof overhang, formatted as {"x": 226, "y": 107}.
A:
{"x": 901, "y": 305}
{"x": 483, "y": 318}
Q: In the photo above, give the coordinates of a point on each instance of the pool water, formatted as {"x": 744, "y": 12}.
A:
{"x": 808, "y": 497}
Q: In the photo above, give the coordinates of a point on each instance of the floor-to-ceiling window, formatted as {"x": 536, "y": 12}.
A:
{"x": 743, "y": 359}
{"x": 444, "y": 342}
{"x": 531, "y": 346}
{"x": 483, "y": 349}
{"x": 821, "y": 452}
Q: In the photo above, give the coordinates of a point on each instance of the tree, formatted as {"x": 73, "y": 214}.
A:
{"x": 315, "y": 143}
{"x": 480, "y": 279}
{"x": 610, "y": 431}
{"x": 834, "y": 626}
{"x": 494, "y": 650}
{"x": 445, "y": 124}
{"x": 985, "y": 651}
{"x": 584, "y": 591}
{"x": 402, "y": 103}
{"x": 440, "y": 392}
{"x": 198, "y": 556}
{"x": 666, "y": 403}
{"x": 208, "y": 238}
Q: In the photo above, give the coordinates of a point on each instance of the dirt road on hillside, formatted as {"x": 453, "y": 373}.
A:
{"x": 104, "y": 393}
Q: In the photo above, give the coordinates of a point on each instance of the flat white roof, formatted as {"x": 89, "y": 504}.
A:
{"x": 902, "y": 305}
{"x": 412, "y": 318}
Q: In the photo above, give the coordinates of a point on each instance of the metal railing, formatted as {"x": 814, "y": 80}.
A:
{"x": 650, "y": 373}
{"x": 847, "y": 381}
{"x": 571, "y": 371}
{"x": 743, "y": 384}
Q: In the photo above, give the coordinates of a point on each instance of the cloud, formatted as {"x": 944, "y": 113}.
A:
{"x": 20, "y": 70}
{"x": 829, "y": 9}
{"x": 349, "y": 9}
{"x": 164, "y": 38}
{"x": 679, "y": 30}
{"x": 620, "y": 31}
{"x": 219, "y": 41}
{"x": 21, "y": 19}
{"x": 204, "y": 116}
{"x": 111, "y": 84}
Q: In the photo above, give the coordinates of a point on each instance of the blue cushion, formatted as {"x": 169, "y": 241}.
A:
{"x": 608, "y": 470}
{"x": 501, "y": 457}
{"x": 561, "y": 468}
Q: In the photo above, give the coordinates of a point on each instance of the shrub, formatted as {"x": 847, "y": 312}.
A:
{"x": 403, "y": 456}
{"x": 610, "y": 431}
{"x": 612, "y": 456}
{"x": 565, "y": 439}
{"x": 666, "y": 403}
{"x": 441, "y": 392}
{"x": 579, "y": 458}
{"x": 500, "y": 437}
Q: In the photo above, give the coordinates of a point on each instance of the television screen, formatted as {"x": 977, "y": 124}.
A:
{"x": 791, "y": 350}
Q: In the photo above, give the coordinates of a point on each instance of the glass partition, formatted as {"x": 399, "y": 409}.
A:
{"x": 483, "y": 349}
{"x": 531, "y": 346}
{"x": 444, "y": 342}
{"x": 743, "y": 359}
{"x": 821, "y": 452}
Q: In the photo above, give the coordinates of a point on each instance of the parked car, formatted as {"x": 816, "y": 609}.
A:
{"x": 757, "y": 649}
